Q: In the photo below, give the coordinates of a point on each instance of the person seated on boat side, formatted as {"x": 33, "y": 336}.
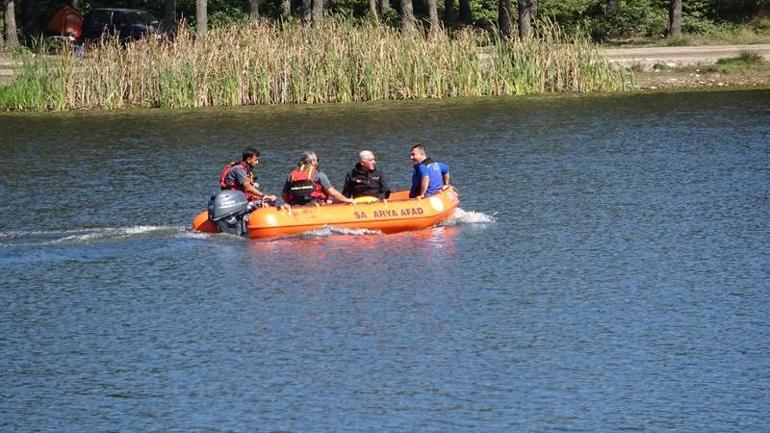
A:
{"x": 429, "y": 177}
{"x": 307, "y": 185}
{"x": 240, "y": 176}
{"x": 365, "y": 180}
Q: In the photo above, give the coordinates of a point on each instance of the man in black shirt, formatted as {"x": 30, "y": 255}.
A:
{"x": 365, "y": 179}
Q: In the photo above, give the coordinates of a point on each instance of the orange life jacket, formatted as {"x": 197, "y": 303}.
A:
{"x": 303, "y": 188}
{"x": 235, "y": 187}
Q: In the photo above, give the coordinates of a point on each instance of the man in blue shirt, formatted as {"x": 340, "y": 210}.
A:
{"x": 429, "y": 177}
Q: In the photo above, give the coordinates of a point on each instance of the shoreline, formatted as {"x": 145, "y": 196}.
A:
{"x": 690, "y": 67}
{"x": 650, "y": 85}
{"x": 288, "y": 109}
{"x": 699, "y": 80}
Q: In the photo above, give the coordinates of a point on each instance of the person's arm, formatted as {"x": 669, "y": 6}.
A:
{"x": 424, "y": 186}
{"x": 337, "y": 196}
{"x": 326, "y": 184}
{"x": 243, "y": 179}
{"x": 445, "y": 173}
{"x": 384, "y": 188}
{"x": 285, "y": 191}
{"x": 347, "y": 189}
{"x": 249, "y": 186}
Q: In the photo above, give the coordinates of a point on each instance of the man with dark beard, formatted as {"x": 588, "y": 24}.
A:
{"x": 240, "y": 176}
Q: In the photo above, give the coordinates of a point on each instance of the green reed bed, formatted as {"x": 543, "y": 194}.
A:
{"x": 341, "y": 62}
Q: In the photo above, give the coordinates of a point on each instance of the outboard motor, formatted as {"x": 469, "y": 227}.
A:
{"x": 229, "y": 211}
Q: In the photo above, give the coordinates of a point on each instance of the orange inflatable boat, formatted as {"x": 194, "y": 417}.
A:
{"x": 396, "y": 214}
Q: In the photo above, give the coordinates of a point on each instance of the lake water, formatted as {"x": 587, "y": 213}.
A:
{"x": 609, "y": 271}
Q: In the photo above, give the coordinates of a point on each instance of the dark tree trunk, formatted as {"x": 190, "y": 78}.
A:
{"x": 435, "y": 25}
{"x": 9, "y": 18}
{"x": 285, "y": 9}
{"x": 384, "y": 7}
{"x": 675, "y": 19}
{"x": 504, "y": 18}
{"x": 449, "y": 13}
{"x": 307, "y": 10}
{"x": 407, "y": 15}
{"x": 30, "y": 12}
{"x": 254, "y": 11}
{"x": 201, "y": 18}
{"x": 169, "y": 14}
{"x": 74, "y": 3}
{"x": 465, "y": 12}
{"x": 318, "y": 12}
{"x": 526, "y": 12}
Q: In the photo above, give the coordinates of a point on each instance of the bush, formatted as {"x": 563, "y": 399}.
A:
{"x": 632, "y": 18}
{"x": 760, "y": 23}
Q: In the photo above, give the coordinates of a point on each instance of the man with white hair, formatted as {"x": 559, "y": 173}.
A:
{"x": 307, "y": 185}
{"x": 365, "y": 180}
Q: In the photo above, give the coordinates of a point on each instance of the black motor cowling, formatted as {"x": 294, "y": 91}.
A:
{"x": 229, "y": 211}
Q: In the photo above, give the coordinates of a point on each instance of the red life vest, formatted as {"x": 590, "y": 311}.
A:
{"x": 303, "y": 188}
{"x": 235, "y": 187}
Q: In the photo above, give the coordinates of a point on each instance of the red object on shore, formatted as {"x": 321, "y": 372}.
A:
{"x": 67, "y": 22}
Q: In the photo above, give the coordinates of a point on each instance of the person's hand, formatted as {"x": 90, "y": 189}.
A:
{"x": 268, "y": 200}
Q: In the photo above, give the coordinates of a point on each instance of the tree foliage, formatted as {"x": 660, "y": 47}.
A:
{"x": 602, "y": 19}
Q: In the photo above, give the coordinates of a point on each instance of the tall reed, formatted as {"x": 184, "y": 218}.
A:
{"x": 340, "y": 62}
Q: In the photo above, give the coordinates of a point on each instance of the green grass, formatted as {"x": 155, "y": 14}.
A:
{"x": 745, "y": 58}
{"x": 746, "y": 61}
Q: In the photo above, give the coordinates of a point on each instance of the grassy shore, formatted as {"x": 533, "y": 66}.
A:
{"x": 341, "y": 62}
{"x": 748, "y": 70}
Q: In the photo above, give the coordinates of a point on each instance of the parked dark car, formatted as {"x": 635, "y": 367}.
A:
{"x": 126, "y": 24}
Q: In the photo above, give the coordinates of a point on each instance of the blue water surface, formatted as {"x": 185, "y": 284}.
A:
{"x": 609, "y": 271}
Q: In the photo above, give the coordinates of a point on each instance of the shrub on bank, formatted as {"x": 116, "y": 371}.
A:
{"x": 341, "y": 62}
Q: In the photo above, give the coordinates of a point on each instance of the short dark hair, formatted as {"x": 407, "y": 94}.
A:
{"x": 249, "y": 152}
{"x": 421, "y": 147}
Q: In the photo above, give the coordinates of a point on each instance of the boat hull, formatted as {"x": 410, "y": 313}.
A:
{"x": 397, "y": 214}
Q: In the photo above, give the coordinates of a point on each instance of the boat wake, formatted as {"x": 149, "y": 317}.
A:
{"x": 38, "y": 238}
{"x": 460, "y": 217}
{"x": 325, "y": 232}
{"x": 467, "y": 217}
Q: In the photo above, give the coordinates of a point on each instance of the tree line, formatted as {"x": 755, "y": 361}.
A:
{"x": 601, "y": 19}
